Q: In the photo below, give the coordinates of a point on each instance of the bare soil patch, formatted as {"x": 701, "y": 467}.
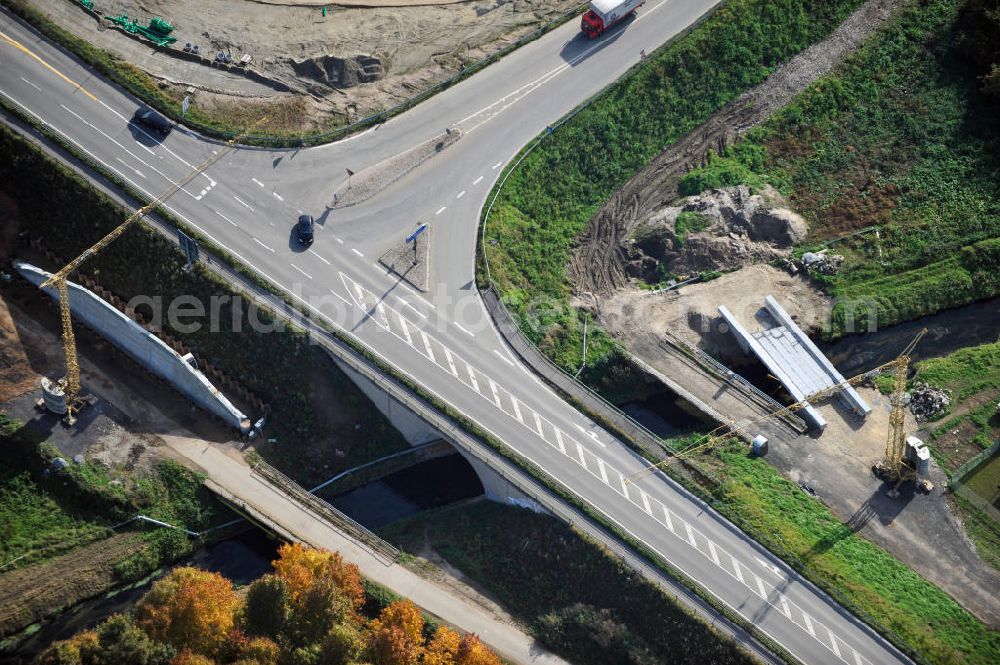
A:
{"x": 346, "y": 64}
{"x": 691, "y": 312}
{"x": 29, "y": 594}
{"x": 599, "y": 261}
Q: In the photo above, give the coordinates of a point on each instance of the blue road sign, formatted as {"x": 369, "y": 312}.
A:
{"x": 413, "y": 236}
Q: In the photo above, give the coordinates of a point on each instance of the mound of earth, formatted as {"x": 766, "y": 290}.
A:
{"x": 721, "y": 230}
{"x": 339, "y": 72}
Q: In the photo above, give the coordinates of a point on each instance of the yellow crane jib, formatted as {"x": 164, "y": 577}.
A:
{"x": 71, "y": 386}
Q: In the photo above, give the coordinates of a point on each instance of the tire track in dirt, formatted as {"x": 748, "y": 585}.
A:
{"x": 597, "y": 262}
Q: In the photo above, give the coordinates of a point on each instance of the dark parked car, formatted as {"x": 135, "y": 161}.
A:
{"x": 305, "y": 228}
{"x": 153, "y": 120}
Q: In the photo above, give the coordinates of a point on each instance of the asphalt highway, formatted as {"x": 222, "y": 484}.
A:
{"x": 248, "y": 201}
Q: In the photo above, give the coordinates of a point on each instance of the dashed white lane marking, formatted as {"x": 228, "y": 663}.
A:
{"x": 538, "y": 425}
{"x": 472, "y": 377}
{"x": 667, "y": 520}
{"x": 773, "y": 569}
{"x": 257, "y": 181}
{"x": 787, "y": 611}
{"x": 460, "y": 194}
{"x": 625, "y": 493}
{"x": 464, "y": 329}
{"x": 300, "y": 212}
{"x": 340, "y": 240}
{"x": 137, "y": 171}
{"x": 348, "y": 302}
{"x": 441, "y": 210}
{"x": 833, "y": 641}
{"x": 503, "y": 358}
{"x": 301, "y": 270}
{"x": 493, "y": 389}
{"x": 763, "y": 591}
{"x": 319, "y": 257}
{"x": 857, "y": 656}
{"x": 690, "y": 535}
{"x": 406, "y": 330}
{"x": 263, "y": 245}
{"x": 427, "y": 345}
{"x": 559, "y": 441}
{"x": 226, "y": 218}
{"x": 809, "y": 624}
{"x": 736, "y": 568}
{"x": 645, "y": 503}
{"x": 451, "y": 362}
{"x": 715, "y": 555}
{"x": 583, "y": 460}
{"x": 517, "y": 409}
{"x": 30, "y": 83}
{"x": 355, "y": 250}
{"x": 277, "y": 196}
{"x": 383, "y": 320}
{"x": 244, "y": 203}
{"x": 414, "y": 309}
{"x": 604, "y": 472}
{"x": 477, "y": 180}
{"x": 497, "y": 165}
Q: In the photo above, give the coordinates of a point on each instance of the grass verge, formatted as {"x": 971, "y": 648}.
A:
{"x": 901, "y": 135}
{"x": 830, "y": 553}
{"x": 44, "y": 513}
{"x": 584, "y": 604}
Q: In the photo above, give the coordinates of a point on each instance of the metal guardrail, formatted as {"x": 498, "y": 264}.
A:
{"x": 325, "y": 510}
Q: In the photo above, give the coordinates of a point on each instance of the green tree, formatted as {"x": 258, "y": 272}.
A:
{"x": 265, "y": 611}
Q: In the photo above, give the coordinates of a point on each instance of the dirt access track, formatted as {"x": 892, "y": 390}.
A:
{"x": 321, "y": 68}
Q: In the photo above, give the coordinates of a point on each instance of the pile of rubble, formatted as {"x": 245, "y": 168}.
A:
{"x": 926, "y": 401}
{"x": 815, "y": 263}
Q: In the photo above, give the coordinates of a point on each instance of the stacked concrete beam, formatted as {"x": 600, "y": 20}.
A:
{"x": 145, "y": 347}
{"x": 849, "y": 395}
{"x": 749, "y": 343}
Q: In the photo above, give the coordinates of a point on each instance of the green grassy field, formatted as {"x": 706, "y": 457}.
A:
{"x": 899, "y": 136}
{"x": 548, "y": 200}
{"x": 874, "y": 581}
{"x": 584, "y": 604}
{"x": 972, "y": 375}
{"x": 46, "y": 514}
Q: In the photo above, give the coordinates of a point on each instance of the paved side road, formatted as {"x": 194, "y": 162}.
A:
{"x": 234, "y": 478}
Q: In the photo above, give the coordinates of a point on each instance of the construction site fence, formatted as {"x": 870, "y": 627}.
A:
{"x": 325, "y": 510}
{"x": 961, "y": 472}
{"x": 959, "y": 487}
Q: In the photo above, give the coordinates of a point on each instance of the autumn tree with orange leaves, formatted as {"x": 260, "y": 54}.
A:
{"x": 397, "y": 635}
{"x": 190, "y": 609}
{"x": 306, "y": 613}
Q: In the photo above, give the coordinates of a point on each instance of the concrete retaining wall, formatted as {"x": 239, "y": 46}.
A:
{"x": 145, "y": 347}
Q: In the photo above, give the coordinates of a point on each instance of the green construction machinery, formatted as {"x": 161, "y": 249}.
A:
{"x": 158, "y": 31}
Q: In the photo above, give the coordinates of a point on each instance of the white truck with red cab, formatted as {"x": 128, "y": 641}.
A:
{"x": 605, "y": 13}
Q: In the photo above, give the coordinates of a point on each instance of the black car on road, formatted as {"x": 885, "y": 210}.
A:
{"x": 151, "y": 119}
{"x": 305, "y": 229}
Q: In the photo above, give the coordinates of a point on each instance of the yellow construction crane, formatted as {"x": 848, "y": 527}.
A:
{"x": 893, "y": 464}
{"x": 71, "y": 386}
{"x": 894, "y": 469}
